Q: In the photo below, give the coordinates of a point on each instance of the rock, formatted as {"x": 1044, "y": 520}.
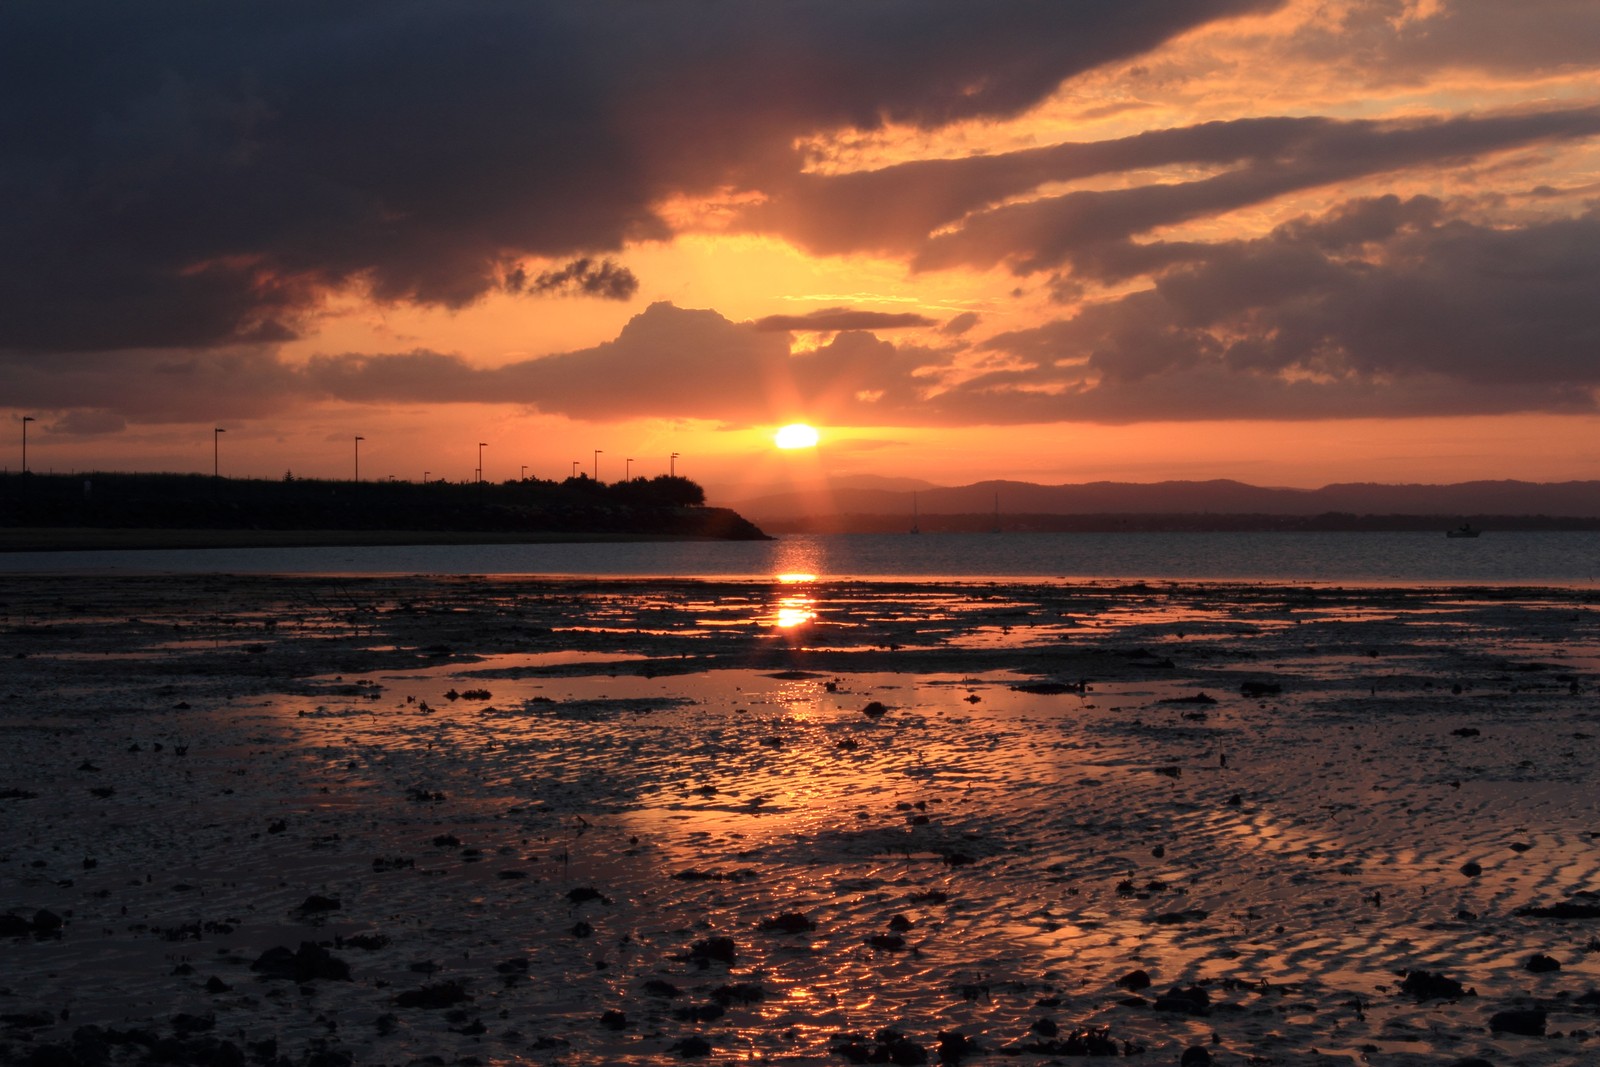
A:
{"x": 691, "y": 1047}
{"x": 655, "y": 987}
{"x": 1425, "y": 985}
{"x": 1191, "y": 1001}
{"x": 614, "y": 1020}
{"x": 585, "y": 893}
{"x": 875, "y": 710}
{"x": 1567, "y": 909}
{"x": 1195, "y": 1056}
{"x": 790, "y": 922}
{"x": 714, "y": 949}
{"x": 308, "y": 964}
{"x": 1260, "y": 689}
{"x": 443, "y": 995}
{"x": 317, "y": 905}
{"x": 885, "y": 1046}
{"x": 1471, "y": 869}
{"x": 1529, "y": 1022}
{"x": 1539, "y": 963}
{"x": 1134, "y": 981}
{"x": 955, "y": 1046}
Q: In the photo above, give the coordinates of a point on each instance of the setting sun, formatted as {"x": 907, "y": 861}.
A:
{"x": 796, "y": 435}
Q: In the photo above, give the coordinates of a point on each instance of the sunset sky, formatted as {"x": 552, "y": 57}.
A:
{"x": 1286, "y": 241}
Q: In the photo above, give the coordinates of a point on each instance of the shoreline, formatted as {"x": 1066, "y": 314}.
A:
{"x": 609, "y": 821}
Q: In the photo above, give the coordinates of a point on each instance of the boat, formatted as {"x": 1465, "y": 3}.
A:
{"x": 1466, "y": 529}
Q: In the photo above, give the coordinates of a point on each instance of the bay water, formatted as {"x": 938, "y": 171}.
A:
{"x": 1568, "y": 558}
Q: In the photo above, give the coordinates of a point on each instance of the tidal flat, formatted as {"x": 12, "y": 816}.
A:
{"x": 407, "y": 819}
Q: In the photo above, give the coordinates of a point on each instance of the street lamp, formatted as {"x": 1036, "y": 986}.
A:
{"x": 597, "y": 463}
{"x": 25, "y": 420}
{"x": 627, "y": 469}
{"x": 574, "y": 468}
{"x": 216, "y": 435}
{"x": 359, "y": 439}
{"x": 672, "y": 465}
{"x": 524, "y": 472}
{"x": 481, "y": 446}
{"x": 425, "y": 477}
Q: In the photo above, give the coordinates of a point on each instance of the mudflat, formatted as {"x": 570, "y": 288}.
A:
{"x": 258, "y": 819}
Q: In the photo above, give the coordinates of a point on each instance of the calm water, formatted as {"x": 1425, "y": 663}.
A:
{"x": 1565, "y": 558}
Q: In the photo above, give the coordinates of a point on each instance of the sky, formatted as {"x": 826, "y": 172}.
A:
{"x": 1290, "y": 242}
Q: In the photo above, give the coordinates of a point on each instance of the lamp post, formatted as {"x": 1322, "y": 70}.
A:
{"x": 672, "y": 465}
{"x": 425, "y": 477}
{"x": 627, "y": 469}
{"x": 359, "y": 439}
{"x": 597, "y": 463}
{"x": 481, "y": 446}
{"x": 524, "y": 472}
{"x": 216, "y": 452}
{"x": 25, "y": 420}
{"x": 574, "y": 468}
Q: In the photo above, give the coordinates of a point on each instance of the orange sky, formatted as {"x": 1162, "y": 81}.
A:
{"x": 1286, "y": 242}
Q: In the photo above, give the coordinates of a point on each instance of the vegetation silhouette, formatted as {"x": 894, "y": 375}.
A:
{"x": 664, "y": 506}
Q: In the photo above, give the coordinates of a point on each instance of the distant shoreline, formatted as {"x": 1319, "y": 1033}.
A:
{"x": 90, "y": 539}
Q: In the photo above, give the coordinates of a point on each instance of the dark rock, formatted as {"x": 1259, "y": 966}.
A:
{"x": 1426, "y": 985}
{"x": 1191, "y": 1001}
{"x": 790, "y": 922}
{"x": 309, "y": 963}
{"x": 215, "y": 985}
{"x": 1465, "y": 731}
{"x": 14, "y": 926}
{"x": 1195, "y": 1056}
{"x": 443, "y": 995}
{"x": 46, "y": 922}
{"x": 1178, "y": 918}
{"x": 1471, "y": 1061}
{"x": 886, "y": 1046}
{"x": 1134, "y": 981}
{"x": 1529, "y": 1022}
{"x": 614, "y": 1020}
{"x": 1084, "y": 1041}
{"x": 887, "y": 942}
{"x": 699, "y": 1013}
{"x": 658, "y": 988}
{"x": 581, "y": 929}
{"x": 1260, "y": 689}
{"x": 691, "y": 1047}
{"x": 875, "y": 710}
{"x": 1567, "y": 909}
{"x": 1471, "y": 869}
{"x": 1539, "y": 963}
{"x": 955, "y": 1046}
{"x": 1198, "y": 698}
{"x": 1049, "y": 688}
{"x": 1045, "y": 1027}
{"x": 714, "y": 949}
{"x": 738, "y": 993}
{"x": 317, "y": 905}
{"x": 585, "y": 893}
{"x": 900, "y": 924}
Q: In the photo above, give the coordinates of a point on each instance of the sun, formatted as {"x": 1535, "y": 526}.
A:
{"x": 796, "y": 435}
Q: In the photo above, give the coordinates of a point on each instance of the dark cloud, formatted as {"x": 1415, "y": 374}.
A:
{"x": 581, "y": 277}
{"x": 186, "y": 174}
{"x": 958, "y": 212}
{"x": 838, "y": 318}
{"x": 1382, "y": 307}
{"x": 1393, "y": 41}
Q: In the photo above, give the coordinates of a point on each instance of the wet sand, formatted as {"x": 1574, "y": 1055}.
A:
{"x": 589, "y": 822}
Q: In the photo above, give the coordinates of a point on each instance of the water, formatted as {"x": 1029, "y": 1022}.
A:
{"x": 1509, "y": 557}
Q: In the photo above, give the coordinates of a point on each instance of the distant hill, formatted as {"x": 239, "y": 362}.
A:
{"x": 845, "y": 507}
